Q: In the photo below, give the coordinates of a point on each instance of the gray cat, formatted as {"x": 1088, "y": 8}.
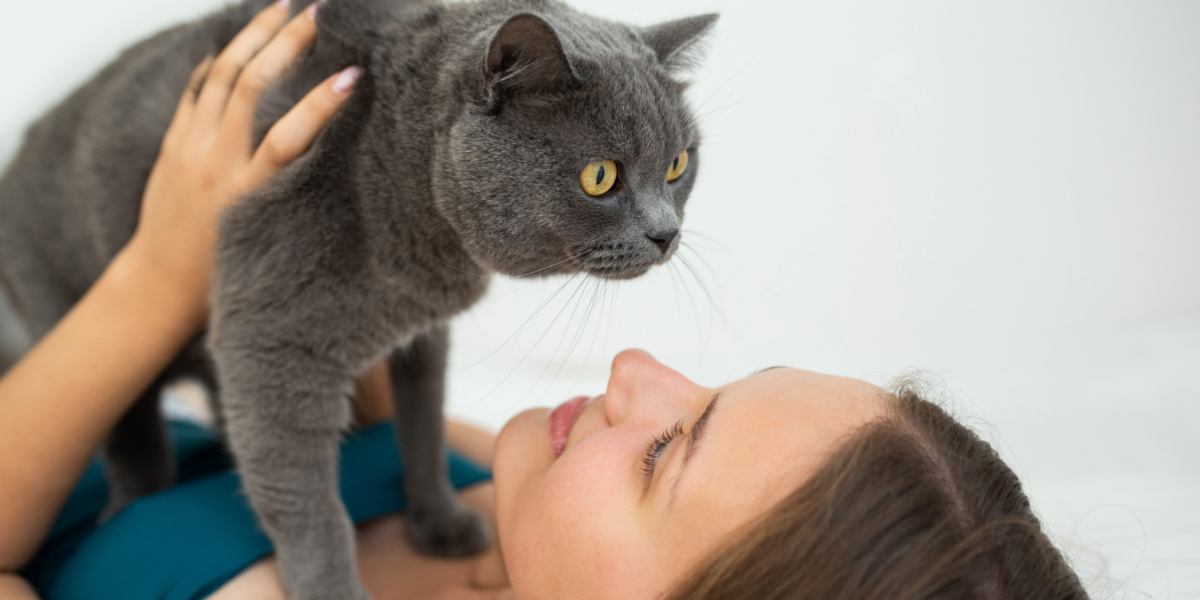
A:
{"x": 477, "y": 142}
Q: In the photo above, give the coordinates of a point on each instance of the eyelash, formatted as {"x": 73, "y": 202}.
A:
{"x": 656, "y": 447}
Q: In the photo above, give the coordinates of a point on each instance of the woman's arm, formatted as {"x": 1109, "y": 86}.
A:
{"x": 15, "y": 588}
{"x": 58, "y": 404}
{"x": 473, "y": 442}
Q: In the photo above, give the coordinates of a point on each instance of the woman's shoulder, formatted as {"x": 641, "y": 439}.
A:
{"x": 390, "y": 567}
{"x": 388, "y": 564}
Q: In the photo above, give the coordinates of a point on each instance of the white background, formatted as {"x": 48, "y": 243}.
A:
{"x": 1003, "y": 194}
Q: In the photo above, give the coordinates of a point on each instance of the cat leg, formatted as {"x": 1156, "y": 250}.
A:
{"x": 438, "y": 522}
{"x": 138, "y": 453}
{"x": 285, "y": 410}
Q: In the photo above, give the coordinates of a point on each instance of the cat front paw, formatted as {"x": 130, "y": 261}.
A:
{"x": 452, "y": 532}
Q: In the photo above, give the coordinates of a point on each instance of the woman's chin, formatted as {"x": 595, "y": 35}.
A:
{"x": 523, "y": 451}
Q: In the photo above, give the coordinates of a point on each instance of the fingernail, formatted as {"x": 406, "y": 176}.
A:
{"x": 346, "y": 79}
{"x": 283, "y": 3}
{"x": 311, "y": 11}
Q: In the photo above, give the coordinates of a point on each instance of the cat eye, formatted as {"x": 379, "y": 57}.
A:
{"x": 678, "y": 167}
{"x": 598, "y": 178}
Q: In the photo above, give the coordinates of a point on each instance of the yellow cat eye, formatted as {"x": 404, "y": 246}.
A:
{"x": 678, "y": 167}
{"x": 598, "y": 178}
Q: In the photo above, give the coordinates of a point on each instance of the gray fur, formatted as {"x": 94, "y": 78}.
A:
{"x": 457, "y": 156}
{"x": 12, "y": 336}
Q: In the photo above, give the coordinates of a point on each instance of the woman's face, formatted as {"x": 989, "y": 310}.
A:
{"x": 621, "y": 503}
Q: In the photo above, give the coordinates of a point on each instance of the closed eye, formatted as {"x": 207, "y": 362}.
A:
{"x": 655, "y": 450}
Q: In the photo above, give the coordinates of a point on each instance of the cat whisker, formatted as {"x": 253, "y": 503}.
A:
{"x": 564, "y": 261}
{"x": 528, "y": 353}
{"x": 612, "y": 312}
{"x": 675, "y": 275}
{"x": 578, "y": 333}
{"x": 603, "y": 285}
{"x": 699, "y": 234}
{"x": 704, "y": 288}
{"x": 521, "y": 327}
{"x": 571, "y": 258}
{"x": 703, "y": 261}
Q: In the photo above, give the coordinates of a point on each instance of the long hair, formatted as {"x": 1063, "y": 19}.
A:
{"x": 912, "y": 506}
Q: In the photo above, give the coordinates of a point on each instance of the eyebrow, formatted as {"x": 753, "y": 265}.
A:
{"x": 768, "y": 369}
{"x": 695, "y": 436}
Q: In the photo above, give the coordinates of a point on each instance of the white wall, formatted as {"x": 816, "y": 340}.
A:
{"x": 1005, "y": 193}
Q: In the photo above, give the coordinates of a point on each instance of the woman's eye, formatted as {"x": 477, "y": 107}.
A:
{"x": 656, "y": 448}
{"x": 678, "y": 167}
{"x": 598, "y": 178}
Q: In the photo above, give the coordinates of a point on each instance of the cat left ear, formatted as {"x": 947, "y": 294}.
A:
{"x": 526, "y": 56}
{"x": 676, "y": 42}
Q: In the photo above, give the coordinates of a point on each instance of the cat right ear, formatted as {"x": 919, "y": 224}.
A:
{"x": 677, "y": 43}
{"x": 525, "y": 57}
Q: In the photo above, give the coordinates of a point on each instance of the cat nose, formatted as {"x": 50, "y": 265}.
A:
{"x": 663, "y": 239}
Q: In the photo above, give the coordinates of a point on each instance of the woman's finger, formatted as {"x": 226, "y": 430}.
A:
{"x": 187, "y": 101}
{"x": 296, "y": 131}
{"x": 233, "y": 59}
{"x": 261, "y": 72}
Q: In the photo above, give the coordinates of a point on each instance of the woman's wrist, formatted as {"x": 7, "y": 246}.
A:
{"x": 146, "y": 282}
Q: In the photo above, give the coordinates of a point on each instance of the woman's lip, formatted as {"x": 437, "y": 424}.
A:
{"x": 562, "y": 419}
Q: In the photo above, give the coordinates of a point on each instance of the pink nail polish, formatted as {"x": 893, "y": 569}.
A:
{"x": 283, "y": 3}
{"x": 346, "y": 79}
{"x": 311, "y": 11}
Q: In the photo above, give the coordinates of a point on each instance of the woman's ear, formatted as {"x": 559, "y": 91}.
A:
{"x": 525, "y": 56}
{"x": 677, "y": 42}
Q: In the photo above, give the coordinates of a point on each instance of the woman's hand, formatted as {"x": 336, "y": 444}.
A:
{"x": 208, "y": 160}
{"x": 62, "y": 399}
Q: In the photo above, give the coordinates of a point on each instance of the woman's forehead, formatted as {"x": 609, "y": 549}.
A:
{"x": 772, "y": 432}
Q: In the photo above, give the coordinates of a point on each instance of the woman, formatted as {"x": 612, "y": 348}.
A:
{"x": 785, "y": 484}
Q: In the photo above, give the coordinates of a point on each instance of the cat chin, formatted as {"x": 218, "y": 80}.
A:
{"x": 622, "y": 274}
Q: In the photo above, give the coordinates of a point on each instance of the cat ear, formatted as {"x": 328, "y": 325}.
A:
{"x": 526, "y": 56}
{"x": 676, "y": 42}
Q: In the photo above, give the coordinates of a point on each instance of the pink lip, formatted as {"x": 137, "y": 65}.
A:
{"x": 562, "y": 420}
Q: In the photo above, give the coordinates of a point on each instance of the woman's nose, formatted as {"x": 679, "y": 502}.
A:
{"x": 642, "y": 387}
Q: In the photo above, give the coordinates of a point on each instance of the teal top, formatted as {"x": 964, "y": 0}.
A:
{"x": 186, "y": 541}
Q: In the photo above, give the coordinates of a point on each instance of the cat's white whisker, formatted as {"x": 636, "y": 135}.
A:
{"x": 528, "y": 353}
{"x": 521, "y": 327}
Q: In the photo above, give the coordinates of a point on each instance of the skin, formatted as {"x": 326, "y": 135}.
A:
{"x": 458, "y": 156}
{"x": 558, "y": 519}
{"x": 61, "y": 400}
{"x": 579, "y": 526}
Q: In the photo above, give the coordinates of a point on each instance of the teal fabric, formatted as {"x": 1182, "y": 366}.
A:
{"x": 185, "y": 542}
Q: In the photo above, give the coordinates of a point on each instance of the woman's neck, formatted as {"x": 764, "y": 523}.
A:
{"x": 489, "y": 572}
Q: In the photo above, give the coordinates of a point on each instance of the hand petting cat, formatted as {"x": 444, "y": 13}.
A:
{"x": 516, "y": 137}
{"x": 65, "y": 395}
{"x": 208, "y": 159}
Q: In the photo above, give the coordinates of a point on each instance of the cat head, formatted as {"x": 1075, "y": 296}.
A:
{"x": 575, "y": 150}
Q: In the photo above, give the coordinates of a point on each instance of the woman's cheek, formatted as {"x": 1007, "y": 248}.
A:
{"x": 579, "y": 520}
{"x": 588, "y": 497}
{"x": 596, "y": 475}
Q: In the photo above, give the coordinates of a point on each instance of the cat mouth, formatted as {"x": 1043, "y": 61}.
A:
{"x": 621, "y": 272}
{"x": 619, "y": 266}
{"x": 616, "y": 260}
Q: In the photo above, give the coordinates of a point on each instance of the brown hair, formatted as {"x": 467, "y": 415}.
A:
{"x": 913, "y": 505}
